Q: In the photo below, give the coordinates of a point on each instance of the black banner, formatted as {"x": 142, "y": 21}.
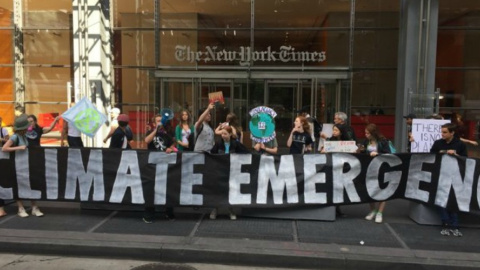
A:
{"x": 198, "y": 179}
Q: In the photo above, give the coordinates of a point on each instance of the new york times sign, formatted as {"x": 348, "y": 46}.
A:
{"x": 244, "y": 55}
{"x": 198, "y": 179}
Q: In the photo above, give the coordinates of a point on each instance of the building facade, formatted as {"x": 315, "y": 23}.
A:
{"x": 377, "y": 60}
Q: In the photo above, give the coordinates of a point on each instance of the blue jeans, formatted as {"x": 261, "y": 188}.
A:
{"x": 449, "y": 218}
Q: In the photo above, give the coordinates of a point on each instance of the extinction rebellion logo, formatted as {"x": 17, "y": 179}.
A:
{"x": 285, "y": 54}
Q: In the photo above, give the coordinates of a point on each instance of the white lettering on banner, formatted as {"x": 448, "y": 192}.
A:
{"x": 237, "y": 178}
{"x": 189, "y": 179}
{"x": 286, "y": 54}
{"x": 391, "y": 178}
{"x": 124, "y": 180}
{"x": 417, "y": 175}
{"x": 285, "y": 178}
{"x": 161, "y": 161}
{"x": 23, "y": 176}
{"x": 6, "y": 193}
{"x": 51, "y": 173}
{"x": 450, "y": 177}
{"x": 76, "y": 171}
{"x": 312, "y": 178}
{"x": 344, "y": 181}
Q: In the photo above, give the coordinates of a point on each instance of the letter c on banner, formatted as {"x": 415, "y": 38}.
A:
{"x": 392, "y": 178}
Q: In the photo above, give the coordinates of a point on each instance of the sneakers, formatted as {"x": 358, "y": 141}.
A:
{"x": 371, "y": 215}
{"x": 379, "y": 218}
{"x": 36, "y": 212}
{"x": 445, "y": 231}
{"x": 456, "y": 232}
{"x": 213, "y": 214}
{"x": 232, "y": 214}
{"x": 22, "y": 213}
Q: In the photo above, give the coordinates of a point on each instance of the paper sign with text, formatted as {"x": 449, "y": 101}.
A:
{"x": 425, "y": 132}
{"x": 340, "y": 146}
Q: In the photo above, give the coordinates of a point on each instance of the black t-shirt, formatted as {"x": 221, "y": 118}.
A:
{"x": 299, "y": 141}
{"x": 455, "y": 144}
{"x": 161, "y": 141}
{"x": 33, "y": 135}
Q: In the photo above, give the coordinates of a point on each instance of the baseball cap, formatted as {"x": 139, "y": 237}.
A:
{"x": 122, "y": 118}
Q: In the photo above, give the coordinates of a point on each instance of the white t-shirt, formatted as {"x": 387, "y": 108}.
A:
{"x": 73, "y": 131}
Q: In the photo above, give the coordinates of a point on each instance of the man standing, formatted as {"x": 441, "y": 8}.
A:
{"x": 340, "y": 118}
{"x": 451, "y": 145}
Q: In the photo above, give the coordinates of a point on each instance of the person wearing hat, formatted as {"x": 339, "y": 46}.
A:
{"x": 19, "y": 142}
{"x": 114, "y": 113}
{"x": 409, "y": 119}
{"x": 122, "y": 136}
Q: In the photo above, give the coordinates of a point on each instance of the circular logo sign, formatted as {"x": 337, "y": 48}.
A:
{"x": 262, "y": 124}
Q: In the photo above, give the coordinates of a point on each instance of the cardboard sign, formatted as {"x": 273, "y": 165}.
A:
{"x": 340, "y": 146}
{"x": 425, "y": 132}
{"x": 216, "y": 97}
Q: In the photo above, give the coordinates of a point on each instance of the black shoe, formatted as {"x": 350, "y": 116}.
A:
{"x": 170, "y": 216}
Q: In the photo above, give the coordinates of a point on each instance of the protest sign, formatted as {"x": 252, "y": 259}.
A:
{"x": 216, "y": 97}
{"x": 340, "y": 146}
{"x": 85, "y": 117}
{"x": 425, "y": 132}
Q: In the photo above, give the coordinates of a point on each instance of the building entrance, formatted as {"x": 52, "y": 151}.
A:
{"x": 289, "y": 94}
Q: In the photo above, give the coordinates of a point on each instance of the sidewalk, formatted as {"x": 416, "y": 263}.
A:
{"x": 66, "y": 229}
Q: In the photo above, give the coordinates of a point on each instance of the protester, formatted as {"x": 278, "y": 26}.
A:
{"x": 462, "y": 130}
{"x": 270, "y": 147}
{"x": 227, "y": 145}
{"x": 35, "y": 132}
{"x": 159, "y": 139}
{"x": 122, "y": 136}
{"x": 300, "y": 140}
{"x": 315, "y": 128}
{"x": 185, "y": 133}
{"x": 19, "y": 142}
{"x": 4, "y": 136}
{"x": 232, "y": 121}
{"x": 204, "y": 136}
{"x": 375, "y": 143}
{"x": 409, "y": 119}
{"x": 73, "y": 135}
{"x": 341, "y": 118}
{"x": 114, "y": 113}
{"x": 451, "y": 145}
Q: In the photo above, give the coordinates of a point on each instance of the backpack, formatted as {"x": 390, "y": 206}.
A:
{"x": 392, "y": 147}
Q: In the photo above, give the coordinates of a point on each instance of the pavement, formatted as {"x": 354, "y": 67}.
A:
{"x": 351, "y": 242}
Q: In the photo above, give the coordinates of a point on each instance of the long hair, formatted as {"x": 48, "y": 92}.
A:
{"x": 305, "y": 124}
{"x": 34, "y": 120}
{"x": 232, "y": 120}
{"x": 189, "y": 120}
{"x": 374, "y": 132}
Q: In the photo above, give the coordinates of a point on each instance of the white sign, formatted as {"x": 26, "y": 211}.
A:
{"x": 285, "y": 54}
{"x": 425, "y": 132}
{"x": 340, "y": 146}
{"x": 327, "y": 129}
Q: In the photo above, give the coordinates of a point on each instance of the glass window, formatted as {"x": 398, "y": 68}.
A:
{"x": 303, "y": 48}
{"x": 205, "y": 14}
{"x": 6, "y": 95}
{"x": 377, "y": 13}
{"x": 458, "y": 48}
{"x": 47, "y": 14}
{"x": 134, "y": 14}
{"x": 301, "y": 14}
{"x": 46, "y": 84}
{"x": 458, "y": 13}
{"x": 375, "y": 48}
{"x": 374, "y": 89}
{"x": 6, "y": 13}
{"x": 47, "y": 46}
{"x": 6, "y": 47}
{"x": 136, "y": 47}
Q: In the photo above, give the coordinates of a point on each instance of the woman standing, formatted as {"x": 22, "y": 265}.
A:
{"x": 19, "y": 142}
{"x": 232, "y": 121}
{"x": 185, "y": 132}
{"x": 227, "y": 145}
{"x": 375, "y": 144}
{"x": 35, "y": 132}
{"x": 300, "y": 140}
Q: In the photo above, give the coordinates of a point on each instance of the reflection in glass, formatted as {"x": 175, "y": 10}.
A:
{"x": 47, "y": 47}
{"x": 375, "y": 48}
{"x": 136, "y": 47}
